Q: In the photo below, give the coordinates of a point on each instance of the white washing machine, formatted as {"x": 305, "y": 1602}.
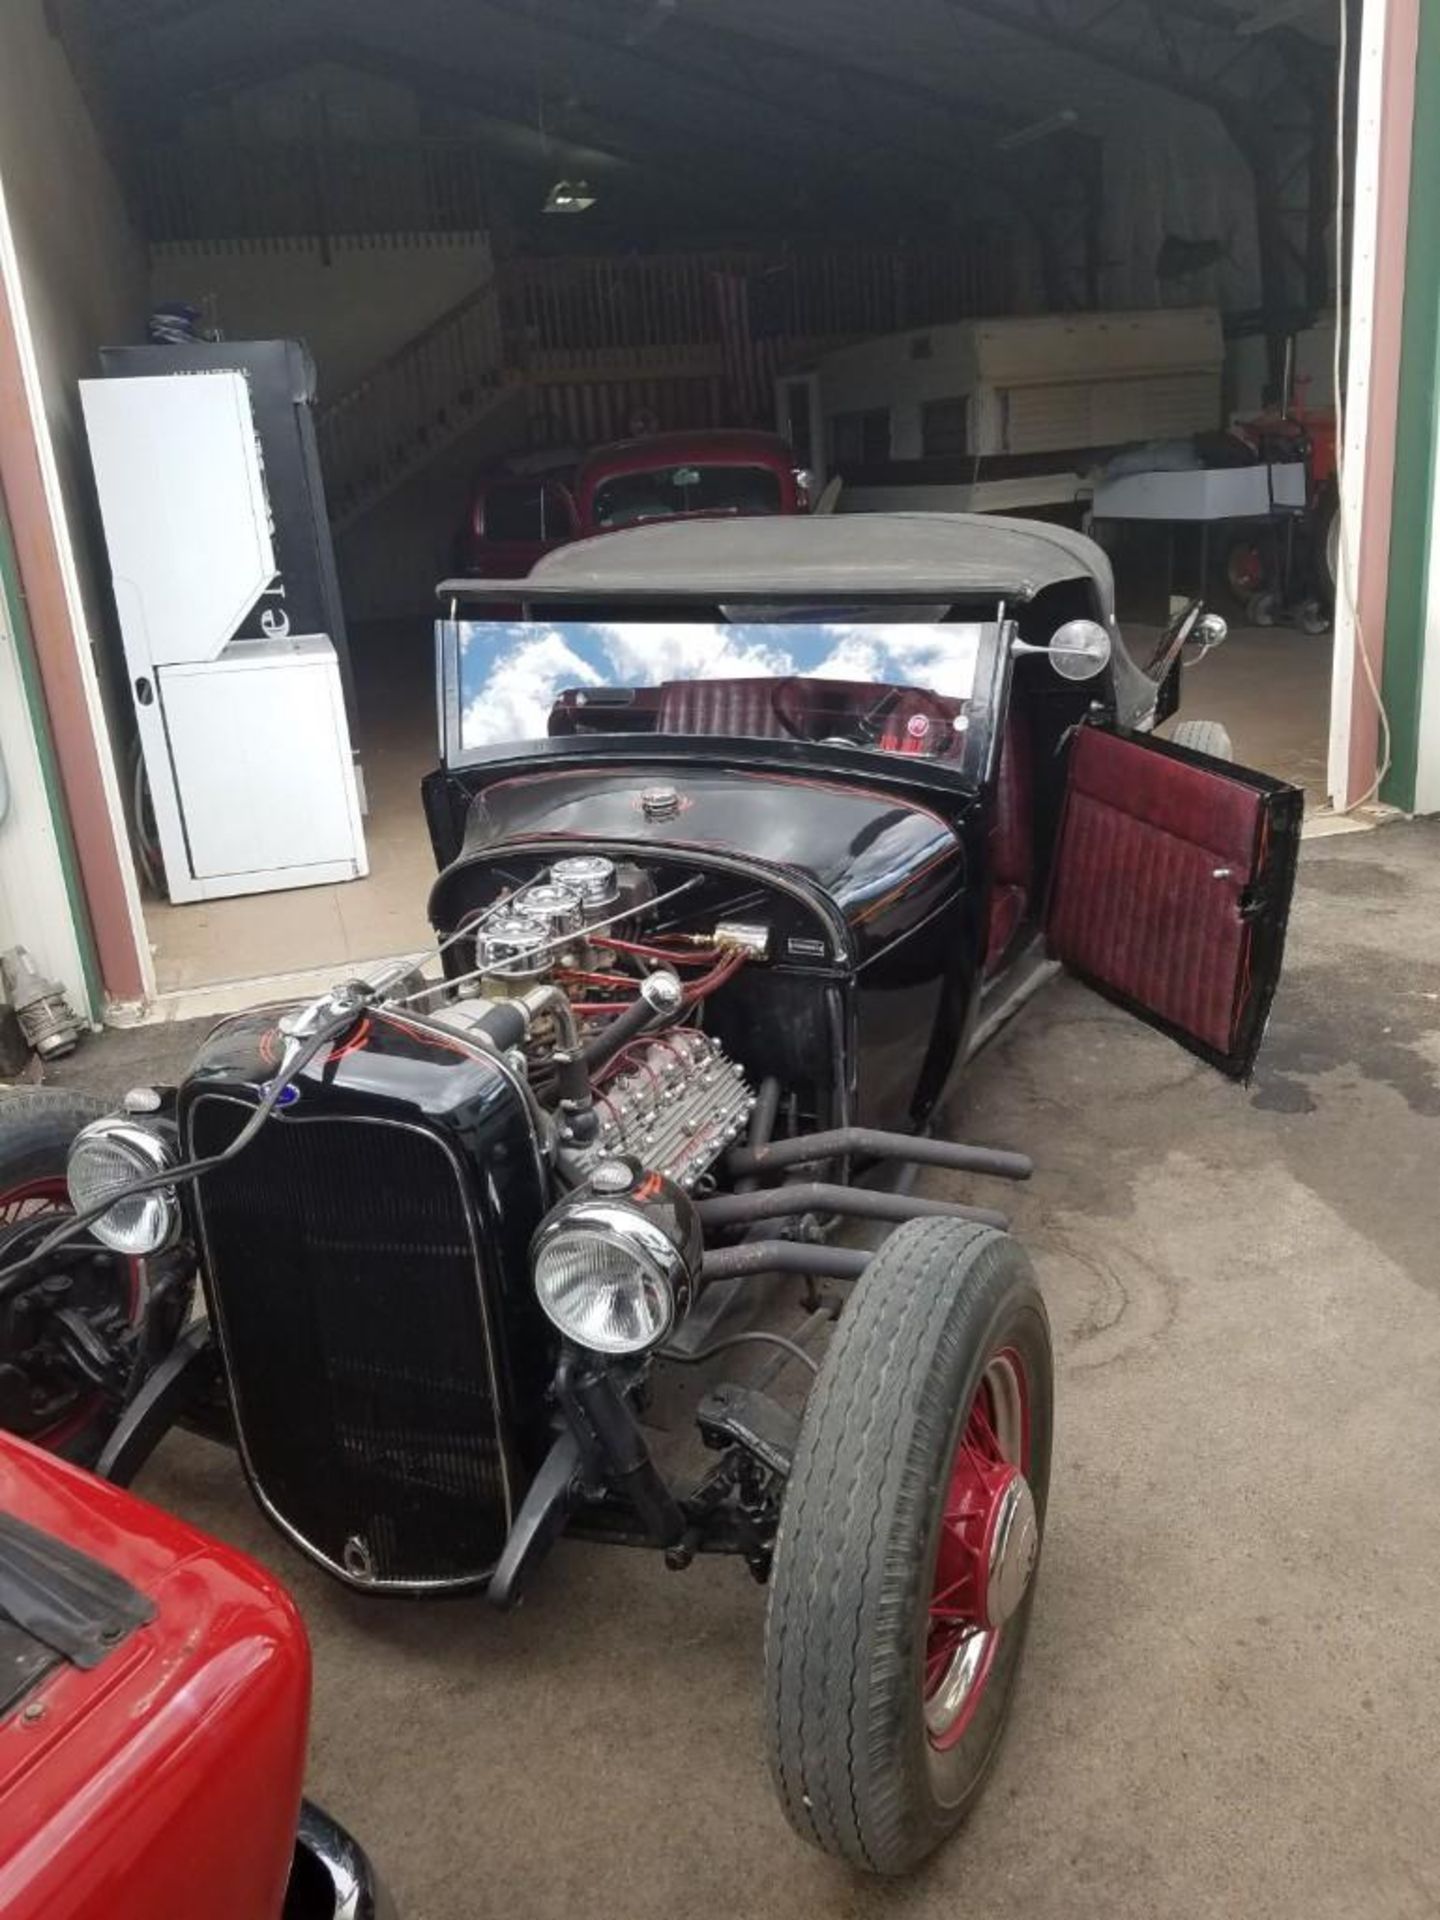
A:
{"x": 242, "y": 723}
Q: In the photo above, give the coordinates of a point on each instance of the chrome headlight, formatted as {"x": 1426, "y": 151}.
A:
{"x": 108, "y": 1156}
{"x": 615, "y": 1274}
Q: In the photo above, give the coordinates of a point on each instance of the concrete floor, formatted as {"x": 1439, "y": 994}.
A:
{"x": 1231, "y": 1702}
{"x": 1271, "y": 687}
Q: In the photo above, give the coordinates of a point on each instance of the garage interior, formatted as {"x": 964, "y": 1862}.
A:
{"x": 506, "y": 231}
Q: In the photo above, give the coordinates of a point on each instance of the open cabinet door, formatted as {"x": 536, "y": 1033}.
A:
{"x": 1171, "y": 888}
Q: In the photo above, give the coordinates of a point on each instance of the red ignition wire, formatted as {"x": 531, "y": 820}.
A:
{"x": 702, "y": 989}
{"x": 676, "y": 957}
{"x": 695, "y": 992}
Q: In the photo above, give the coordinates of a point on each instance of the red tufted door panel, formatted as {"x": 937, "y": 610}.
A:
{"x": 1171, "y": 888}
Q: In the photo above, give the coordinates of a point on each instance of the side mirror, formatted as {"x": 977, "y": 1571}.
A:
{"x": 1189, "y": 637}
{"x": 1208, "y": 632}
{"x": 1078, "y": 650}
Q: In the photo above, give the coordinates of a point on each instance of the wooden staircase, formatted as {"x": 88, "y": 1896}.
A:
{"x": 684, "y": 340}
{"x": 430, "y": 392}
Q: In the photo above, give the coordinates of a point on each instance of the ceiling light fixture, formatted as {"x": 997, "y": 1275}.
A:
{"x": 569, "y": 196}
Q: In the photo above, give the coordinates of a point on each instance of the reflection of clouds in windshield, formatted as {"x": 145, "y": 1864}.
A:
{"x": 511, "y": 673}
{"x": 853, "y": 657}
{"x": 514, "y": 700}
{"x": 646, "y": 655}
{"x": 941, "y": 659}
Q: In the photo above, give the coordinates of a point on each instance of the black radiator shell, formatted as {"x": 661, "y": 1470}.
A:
{"x": 366, "y": 1264}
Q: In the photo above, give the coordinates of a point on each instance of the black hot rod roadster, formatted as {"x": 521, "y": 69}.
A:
{"x": 749, "y": 834}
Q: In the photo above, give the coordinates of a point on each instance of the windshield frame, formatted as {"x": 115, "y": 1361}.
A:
{"x": 966, "y": 774}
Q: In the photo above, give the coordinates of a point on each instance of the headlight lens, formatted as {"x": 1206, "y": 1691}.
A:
{"x": 614, "y": 1276}
{"x": 108, "y": 1156}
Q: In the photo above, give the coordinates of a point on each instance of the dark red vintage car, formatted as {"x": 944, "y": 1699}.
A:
{"x": 514, "y": 519}
{"x": 154, "y": 1699}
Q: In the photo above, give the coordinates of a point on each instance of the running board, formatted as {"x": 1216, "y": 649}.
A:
{"x": 1022, "y": 982}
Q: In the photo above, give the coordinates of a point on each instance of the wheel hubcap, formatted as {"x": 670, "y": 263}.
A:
{"x": 1014, "y": 1542}
{"x": 989, "y": 1540}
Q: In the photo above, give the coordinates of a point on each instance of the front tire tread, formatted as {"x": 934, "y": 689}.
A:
{"x": 840, "y": 1613}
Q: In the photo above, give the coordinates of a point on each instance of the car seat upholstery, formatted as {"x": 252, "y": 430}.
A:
{"x": 746, "y": 709}
{"x": 1012, "y": 837}
{"x": 741, "y": 708}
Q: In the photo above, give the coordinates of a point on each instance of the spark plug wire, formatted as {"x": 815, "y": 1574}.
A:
{"x": 695, "y": 991}
{"x": 644, "y": 950}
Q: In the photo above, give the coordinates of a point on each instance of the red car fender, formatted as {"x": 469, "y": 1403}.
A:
{"x": 164, "y": 1783}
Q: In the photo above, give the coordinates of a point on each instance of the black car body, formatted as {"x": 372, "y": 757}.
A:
{"x": 748, "y": 835}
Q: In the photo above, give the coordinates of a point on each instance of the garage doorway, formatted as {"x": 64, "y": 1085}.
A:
{"x": 508, "y": 236}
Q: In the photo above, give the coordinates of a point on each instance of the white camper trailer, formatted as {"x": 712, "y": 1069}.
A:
{"x": 1000, "y": 415}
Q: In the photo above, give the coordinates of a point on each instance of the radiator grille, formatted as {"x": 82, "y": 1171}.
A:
{"x": 345, "y": 1278}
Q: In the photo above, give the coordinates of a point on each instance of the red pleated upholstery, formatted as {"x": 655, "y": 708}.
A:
{"x": 1012, "y": 838}
{"x": 742, "y": 709}
{"x": 746, "y": 709}
{"x": 1153, "y": 863}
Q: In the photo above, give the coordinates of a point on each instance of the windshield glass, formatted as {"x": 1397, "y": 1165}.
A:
{"x": 901, "y": 687}
{"x": 628, "y": 498}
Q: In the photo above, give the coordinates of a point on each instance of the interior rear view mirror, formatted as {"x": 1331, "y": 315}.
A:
{"x": 1078, "y": 650}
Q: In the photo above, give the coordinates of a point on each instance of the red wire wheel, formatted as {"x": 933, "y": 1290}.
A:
{"x": 36, "y": 1129}
{"x": 989, "y": 1540}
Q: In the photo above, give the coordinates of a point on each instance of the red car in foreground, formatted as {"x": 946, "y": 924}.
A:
{"x": 154, "y": 1700}
{"x": 515, "y": 518}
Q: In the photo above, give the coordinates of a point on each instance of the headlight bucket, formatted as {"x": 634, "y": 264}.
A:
{"x": 105, "y": 1158}
{"x": 615, "y": 1272}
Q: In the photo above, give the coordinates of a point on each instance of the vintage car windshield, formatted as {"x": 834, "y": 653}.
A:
{"x": 902, "y": 687}
{"x": 659, "y": 493}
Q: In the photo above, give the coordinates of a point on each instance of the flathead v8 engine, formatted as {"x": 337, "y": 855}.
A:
{"x": 675, "y": 1102}
{"x": 388, "y": 1324}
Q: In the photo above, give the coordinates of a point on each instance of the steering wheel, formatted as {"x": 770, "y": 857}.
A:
{"x": 920, "y": 701}
{"x": 869, "y": 726}
{"x": 787, "y": 703}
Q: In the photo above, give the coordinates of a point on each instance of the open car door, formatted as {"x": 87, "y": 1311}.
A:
{"x": 1171, "y": 888}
